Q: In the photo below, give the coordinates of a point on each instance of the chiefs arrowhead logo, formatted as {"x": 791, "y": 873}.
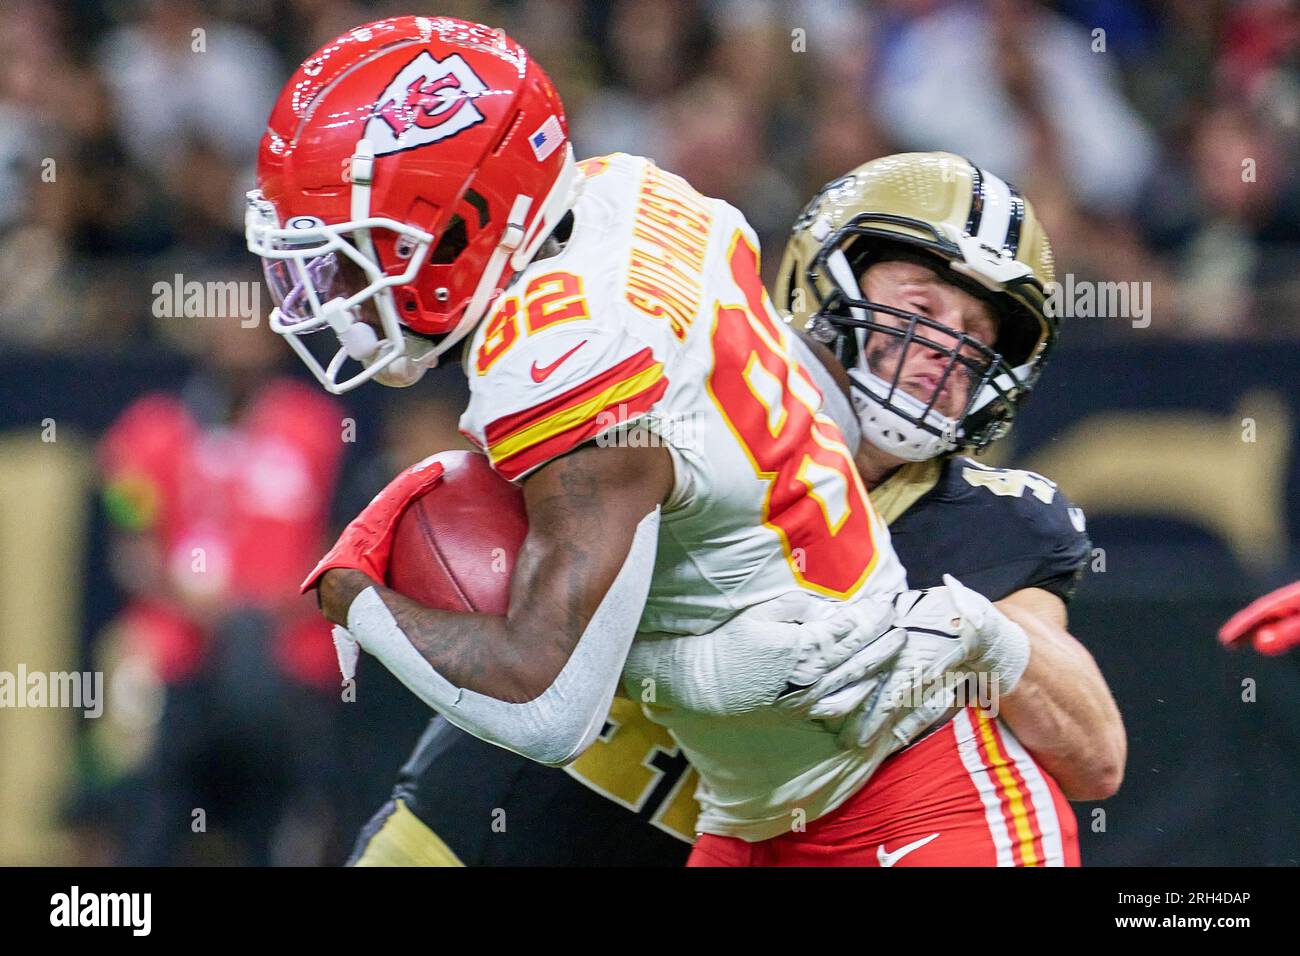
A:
{"x": 427, "y": 101}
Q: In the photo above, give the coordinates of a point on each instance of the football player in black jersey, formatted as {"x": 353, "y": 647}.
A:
{"x": 932, "y": 358}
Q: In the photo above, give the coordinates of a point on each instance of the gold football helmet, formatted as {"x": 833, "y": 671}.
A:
{"x": 953, "y": 214}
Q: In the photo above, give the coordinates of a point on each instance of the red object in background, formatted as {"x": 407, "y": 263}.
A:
{"x": 171, "y": 642}
{"x": 1255, "y": 40}
{"x": 454, "y": 548}
{"x": 238, "y": 513}
{"x": 1271, "y": 624}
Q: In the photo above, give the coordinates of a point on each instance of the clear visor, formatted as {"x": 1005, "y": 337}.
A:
{"x": 328, "y": 276}
{"x": 290, "y": 284}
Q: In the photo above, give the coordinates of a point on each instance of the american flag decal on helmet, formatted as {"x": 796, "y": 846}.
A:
{"x": 547, "y": 138}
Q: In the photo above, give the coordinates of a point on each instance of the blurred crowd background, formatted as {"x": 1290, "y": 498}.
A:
{"x": 1130, "y": 140}
{"x": 1159, "y": 141}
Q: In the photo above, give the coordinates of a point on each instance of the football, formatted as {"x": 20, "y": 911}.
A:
{"x": 454, "y": 547}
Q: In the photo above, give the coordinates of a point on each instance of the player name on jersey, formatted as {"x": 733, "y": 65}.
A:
{"x": 670, "y": 239}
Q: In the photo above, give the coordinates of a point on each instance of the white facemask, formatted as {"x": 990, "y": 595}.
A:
{"x": 890, "y": 431}
{"x": 361, "y": 342}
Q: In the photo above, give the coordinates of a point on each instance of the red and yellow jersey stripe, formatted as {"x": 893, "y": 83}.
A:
{"x": 523, "y": 441}
{"x": 1020, "y": 808}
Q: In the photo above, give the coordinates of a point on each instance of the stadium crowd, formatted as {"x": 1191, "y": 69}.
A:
{"x": 1159, "y": 141}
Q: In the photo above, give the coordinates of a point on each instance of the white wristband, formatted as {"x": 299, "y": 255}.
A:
{"x": 1006, "y": 656}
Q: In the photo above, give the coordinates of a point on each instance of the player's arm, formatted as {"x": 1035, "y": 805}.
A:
{"x": 1061, "y": 708}
{"x": 538, "y": 678}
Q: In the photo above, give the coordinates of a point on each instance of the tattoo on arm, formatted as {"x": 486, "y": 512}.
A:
{"x": 583, "y": 512}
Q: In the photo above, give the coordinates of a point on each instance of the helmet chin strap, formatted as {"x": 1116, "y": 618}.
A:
{"x": 361, "y": 342}
{"x": 417, "y": 358}
{"x": 889, "y": 430}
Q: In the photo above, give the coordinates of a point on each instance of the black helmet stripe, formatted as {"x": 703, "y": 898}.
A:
{"x": 976, "y": 200}
{"x": 997, "y": 212}
{"x": 1017, "y": 219}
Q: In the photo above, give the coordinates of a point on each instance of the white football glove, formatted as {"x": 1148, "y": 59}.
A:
{"x": 842, "y": 659}
{"x": 951, "y": 631}
{"x": 348, "y": 652}
{"x": 823, "y": 667}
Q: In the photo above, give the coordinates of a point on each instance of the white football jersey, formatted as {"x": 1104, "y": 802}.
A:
{"x": 652, "y": 327}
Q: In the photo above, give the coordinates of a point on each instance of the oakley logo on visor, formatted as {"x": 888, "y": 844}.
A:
{"x": 427, "y": 101}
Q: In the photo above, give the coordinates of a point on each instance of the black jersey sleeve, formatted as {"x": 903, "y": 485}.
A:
{"x": 1064, "y": 546}
{"x": 996, "y": 530}
{"x": 1044, "y": 534}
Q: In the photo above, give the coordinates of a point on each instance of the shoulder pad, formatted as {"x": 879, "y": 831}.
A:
{"x": 1034, "y": 509}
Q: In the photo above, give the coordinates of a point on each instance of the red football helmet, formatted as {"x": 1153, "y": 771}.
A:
{"x": 409, "y": 170}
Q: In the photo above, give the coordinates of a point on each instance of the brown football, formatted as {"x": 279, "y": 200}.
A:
{"x": 454, "y": 548}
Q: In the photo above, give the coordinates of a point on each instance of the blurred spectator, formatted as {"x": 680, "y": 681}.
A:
{"x": 1247, "y": 231}
{"x": 1005, "y": 82}
{"x": 560, "y": 38}
{"x": 180, "y": 71}
{"x": 153, "y": 129}
{"x": 652, "y": 51}
{"x": 220, "y": 497}
{"x": 717, "y": 147}
{"x": 313, "y": 23}
{"x": 37, "y": 264}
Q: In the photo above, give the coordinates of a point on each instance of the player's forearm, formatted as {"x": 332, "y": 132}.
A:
{"x": 1063, "y": 712}
{"x": 539, "y": 679}
{"x": 542, "y": 691}
{"x": 478, "y": 652}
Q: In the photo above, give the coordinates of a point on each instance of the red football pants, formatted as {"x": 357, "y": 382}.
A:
{"x": 967, "y": 795}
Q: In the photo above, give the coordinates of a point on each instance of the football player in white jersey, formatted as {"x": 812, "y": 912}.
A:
{"x": 981, "y": 788}
{"x": 416, "y": 190}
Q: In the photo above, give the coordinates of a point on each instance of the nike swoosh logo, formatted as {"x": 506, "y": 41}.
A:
{"x": 889, "y": 859}
{"x": 541, "y": 374}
